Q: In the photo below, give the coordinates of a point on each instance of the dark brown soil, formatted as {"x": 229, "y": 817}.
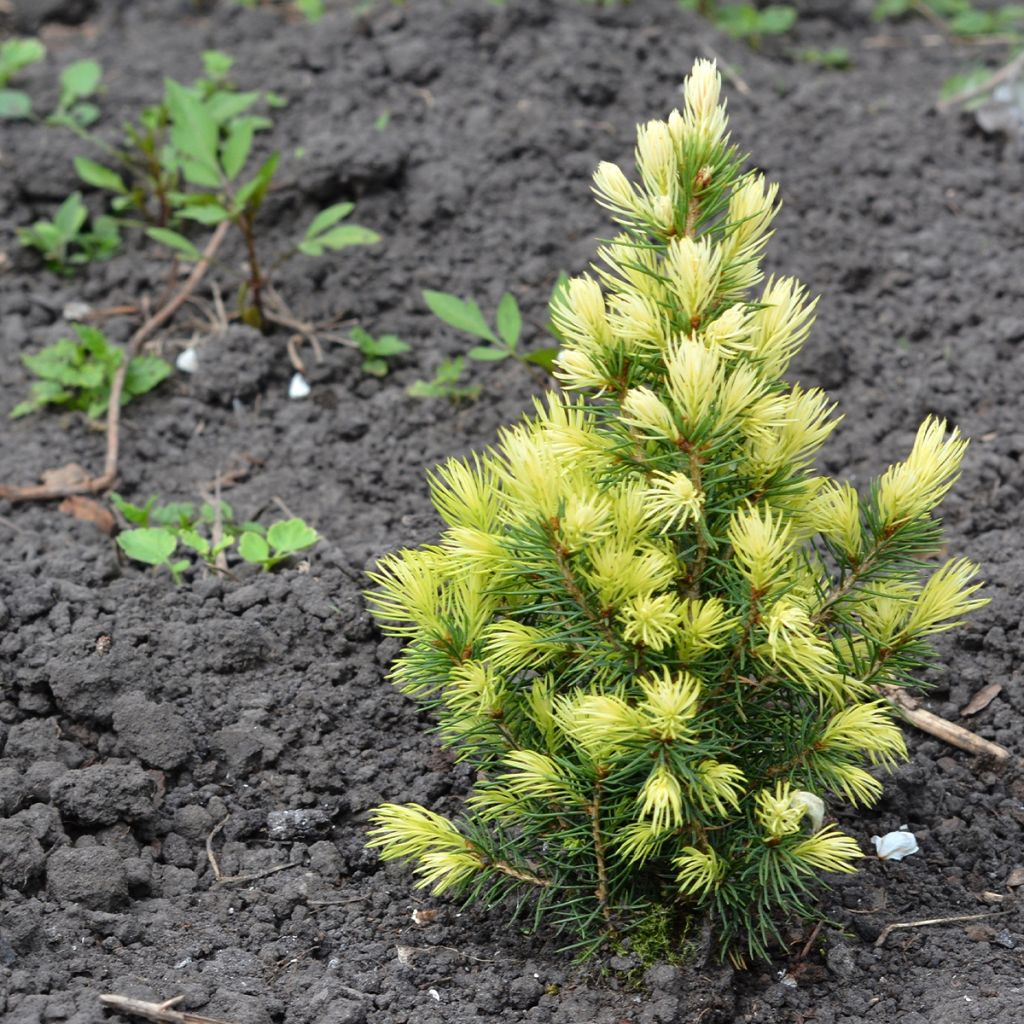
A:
{"x": 239, "y": 699}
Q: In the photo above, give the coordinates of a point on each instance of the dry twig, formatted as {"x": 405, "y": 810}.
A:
{"x": 162, "y": 1013}
{"x": 948, "y": 732}
{"x": 103, "y": 482}
{"x": 890, "y": 928}
{"x": 219, "y": 876}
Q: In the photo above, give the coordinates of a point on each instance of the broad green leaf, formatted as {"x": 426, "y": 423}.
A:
{"x": 99, "y": 176}
{"x": 253, "y": 548}
{"x": 775, "y": 19}
{"x": 79, "y": 81}
{"x": 143, "y": 374}
{"x": 463, "y": 315}
{"x": 225, "y": 106}
{"x": 193, "y": 129}
{"x": 196, "y": 541}
{"x": 150, "y": 544}
{"x": 16, "y": 54}
{"x": 328, "y": 218}
{"x": 487, "y": 354}
{"x": 508, "y": 320}
{"x": 201, "y": 174}
{"x": 174, "y": 241}
{"x": 375, "y": 367}
{"x": 14, "y": 104}
{"x": 291, "y": 535}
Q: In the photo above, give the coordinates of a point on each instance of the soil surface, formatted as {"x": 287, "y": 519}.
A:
{"x": 150, "y": 734}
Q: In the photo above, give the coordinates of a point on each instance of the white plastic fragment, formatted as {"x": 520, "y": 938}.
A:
{"x": 299, "y": 387}
{"x": 813, "y": 805}
{"x": 187, "y": 361}
{"x": 895, "y": 845}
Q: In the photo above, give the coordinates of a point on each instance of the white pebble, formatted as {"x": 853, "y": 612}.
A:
{"x": 187, "y": 361}
{"x": 299, "y": 387}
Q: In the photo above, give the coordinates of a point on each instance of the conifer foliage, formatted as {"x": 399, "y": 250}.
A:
{"x": 653, "y": 629}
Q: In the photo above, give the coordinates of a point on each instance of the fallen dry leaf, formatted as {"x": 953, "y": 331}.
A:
{"x": 982, "y": 699}
{"x": 1015, "y": 878}
{"x": 68, "y": 476}
{"x": 89, "y": 511}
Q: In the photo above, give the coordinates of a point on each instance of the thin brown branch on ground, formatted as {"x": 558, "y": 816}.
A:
{"x": 162, "y": 1013}
{"x": 948, "y": 732}
{"x": 959, "y": 919}
{"x": 103, "y": 482}
{"x": 253, "y": 876}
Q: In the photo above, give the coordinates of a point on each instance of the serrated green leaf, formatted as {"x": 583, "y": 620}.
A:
{"x": 143, "y": 374}
{"x": 99, "y": 176}
{"x": 253, "y": 548}
{"x": 174, "y": 241}
{"x": 508, "y": 320}
{"x": 152, "y": 545}
{"x": 328, "y": 218}
{"x": 291, "y": 535}
{"x": 463, "y": 315}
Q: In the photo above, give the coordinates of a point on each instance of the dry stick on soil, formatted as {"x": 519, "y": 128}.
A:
{"x": 890, "y": 928}
{"x": 103, "y": 482}
{"x": 253, "y": 876}
{"x": 162, "y": 1013}
{"x": 948, "y": 732}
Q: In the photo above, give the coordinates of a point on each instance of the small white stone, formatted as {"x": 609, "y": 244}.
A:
{"x": 76, "y": 312}
{"x": 434, "y": 994}
{"x": 187, "y": 361}
{"x": 895, "y": 845}
{"x": 299, "y": 387}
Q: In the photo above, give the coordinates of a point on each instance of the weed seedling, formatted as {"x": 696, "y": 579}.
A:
{"x": 79, "y": 82}
{"x": 659, "y": 637}
{"x": 446, "y": 383}
{"x": 66, "y": 242}
{"x": 745, "y": 21}
{"x": 16, "y": 54}
{"x": 160, "y": 531}
{"x": 78, "y": 374}
{"x": 377, "y": 351}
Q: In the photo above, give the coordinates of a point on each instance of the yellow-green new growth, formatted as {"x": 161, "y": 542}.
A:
{"x": 654, "y": 630}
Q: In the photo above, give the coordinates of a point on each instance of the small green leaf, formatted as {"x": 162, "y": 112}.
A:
{"x": 210, "y": 213}
{"x": 544, "y": 358}
{"x": 775, "y": 19}
{"x": 175, "y": 241}
{"x": 291, "y": 535}
{"x": 463, "y": 315}
{"x": 339, "y": 238}
{"x": 85, "y": 114}
{"x": 196, "y": 541}
{"x": 16, "y": 54}
{"x": 250, "y": 195}
{"x": 139, "y": 515}
{"x": 194, "y": 131}
{"x": 374, "y": 367}
{"x": 486, "y": 354}
{"x": 312, "y": 9}
{"x": 14, "y": 105}
{"x": 150, "y": 544}
{"x": 508, "y": 320}
{"x": 143, "y": 374}
{"x": 99, "y": 176}
{"x": 217, "y": 64}
{"x": 388, "y": 345}
{"x": 253, "y": 548}
{"x": 79, "y": 80}
{"x": 70, "y": 216}
{"x": 328, "y": 218}
{"x": 237, "y": 148}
